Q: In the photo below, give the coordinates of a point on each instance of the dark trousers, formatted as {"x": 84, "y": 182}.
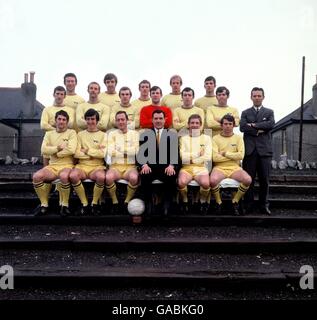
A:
{"x": 254, "y": 164}
{"x": 169, "y": 186}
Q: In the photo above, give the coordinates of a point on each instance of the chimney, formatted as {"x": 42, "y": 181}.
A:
{"x": 32, "y": 73}
{"x": 315, "y": 99}
{"x": 29, "y": 92}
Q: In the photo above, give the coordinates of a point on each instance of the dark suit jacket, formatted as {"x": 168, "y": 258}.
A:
{"x": 253, "y": 138}
{"x": 162, "y": 155}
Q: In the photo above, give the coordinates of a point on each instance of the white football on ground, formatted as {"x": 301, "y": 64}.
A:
{"x": 136, "y": 207}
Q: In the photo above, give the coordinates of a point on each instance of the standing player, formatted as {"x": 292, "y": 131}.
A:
{"x": 72, "y": 99}
{"x": 125, "y": 105}
{"x": 110, "y": 96}
{"x": 147, "y": 111}
{"x": 209, "y": 99}
{"x": 144, "y": 99}
{"x": 93, "y": 103}
{"x": 174, "y": 99}
{"x": 182, "y": 114}
{"x": 215, "y": 113}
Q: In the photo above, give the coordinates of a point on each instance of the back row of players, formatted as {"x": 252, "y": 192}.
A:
{"x": 105, "y": 111}
{"x": 178, "y": 105}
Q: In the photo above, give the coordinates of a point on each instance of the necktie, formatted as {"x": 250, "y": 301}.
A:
{"x": 158, "y": 136}
{"x": 257, "y": 110}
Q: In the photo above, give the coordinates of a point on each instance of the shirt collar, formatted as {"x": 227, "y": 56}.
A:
{"x": 160, "y": 130}
{"x": 257, "y": 108}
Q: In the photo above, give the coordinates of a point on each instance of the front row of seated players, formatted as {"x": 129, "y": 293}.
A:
{"x": 159, "y": 162}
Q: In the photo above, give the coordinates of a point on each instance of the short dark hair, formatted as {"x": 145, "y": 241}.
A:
{"x": 93, "y": 82}
{"x": 229, "y": 117}
{"x": 188, "y": 89}
{"x": 122, "y": 112}
{"x": 144, "y": 82}
{"x": 220, "y": 89}
{"x": 70, "y": 74}
{"x": 211, "y": 78}
{"x": 154, "y": 88}
{"x": 90, "y": 113}
{"x": 257, "y": 89}
{"x": 125, "y": 89}
{"x": 59, "y": 88}
{"x": 110, "y": 76}
{"x": 62, "y": 113}
{"x": 195, "y": 116}
{"x": 159, "y": 111}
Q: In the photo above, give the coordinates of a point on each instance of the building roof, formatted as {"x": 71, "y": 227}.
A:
{"x": 13, "y": 102}
{"x": 294, "y": 117}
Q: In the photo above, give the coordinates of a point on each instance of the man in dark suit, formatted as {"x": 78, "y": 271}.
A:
{"x": 256, "y": 124}
{"x": 158, "y": 158}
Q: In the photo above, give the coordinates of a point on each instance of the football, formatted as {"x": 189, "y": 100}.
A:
{"x": 136, "y": 207}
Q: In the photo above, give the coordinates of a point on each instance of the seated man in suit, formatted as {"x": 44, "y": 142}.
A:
{"x": 227, "y": 152}
{"x": 158, "y": 159}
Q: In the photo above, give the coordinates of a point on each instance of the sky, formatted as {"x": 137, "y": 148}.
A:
{"x": 242, "y": 44}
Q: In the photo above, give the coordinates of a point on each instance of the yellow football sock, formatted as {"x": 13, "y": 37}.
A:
{"x": 216, "y": 193}
{"x": 80, "y": 191}
{"x": 240, "y": 193}
{"x": 58, "y": 189}
{"x": 42, "y": 191}
{"x": 98, "y": 189}
{"x": 204, "y": 194}
{"x": 64, "y": 193}
{"x": 130, "y": 192}
{"x": 112, "y": 190}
